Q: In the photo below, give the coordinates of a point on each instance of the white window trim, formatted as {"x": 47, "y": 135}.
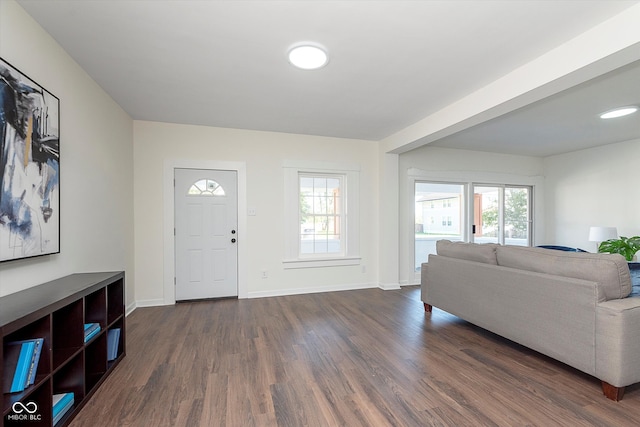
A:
{"x": 351, "y": 173}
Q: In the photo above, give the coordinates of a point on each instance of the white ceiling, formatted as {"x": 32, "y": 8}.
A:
{"x": 392, "y": 63}
{"x": 565, "y": 122}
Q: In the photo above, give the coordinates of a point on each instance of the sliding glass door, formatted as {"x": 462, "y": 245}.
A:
{"x": 492, "y": 214}
{"x": 439, "y": 214}
{"x": 502, "y": 214}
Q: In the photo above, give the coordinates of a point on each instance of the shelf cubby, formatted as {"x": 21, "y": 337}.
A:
{"x": 119, "y": 324}
{"x": 95, "y": 361}
{"x": 95, "y": 308}
{"x": 115, "y": 301}
{"x": 70, "y": 378}
{"x": 68, "y": 332}
{"x": 39, "y": 328}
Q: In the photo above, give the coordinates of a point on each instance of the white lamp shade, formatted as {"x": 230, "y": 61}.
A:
{"x": 600, "y": 234}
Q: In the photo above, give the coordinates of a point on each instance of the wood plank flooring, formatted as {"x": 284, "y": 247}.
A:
{"x": 352, "y": 358}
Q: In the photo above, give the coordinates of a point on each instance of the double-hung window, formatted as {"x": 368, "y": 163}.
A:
{"x": 321, "y": 214}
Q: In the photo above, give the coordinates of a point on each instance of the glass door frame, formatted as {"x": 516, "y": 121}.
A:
{"x": 501, "y": 208}
{"x": 465, "y": 220}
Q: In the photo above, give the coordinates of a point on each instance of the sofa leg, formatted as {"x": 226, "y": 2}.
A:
{"x": 612, "y": 392}
{"x": 427, "y": 307}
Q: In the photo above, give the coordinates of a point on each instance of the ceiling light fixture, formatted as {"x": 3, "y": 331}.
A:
{"x": 308, "y": 56}
{"x": 619, "y": 112}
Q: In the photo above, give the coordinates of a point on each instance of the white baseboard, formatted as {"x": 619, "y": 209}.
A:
{"x": 407, "y": 283}
{"x": 129, "y": 309}
{"x": 150, "y": 303}
{"x": 283, "y": 292}
{"x": 300, "y": 291}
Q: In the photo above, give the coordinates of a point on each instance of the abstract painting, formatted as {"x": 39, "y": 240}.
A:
{"x": 29, "y": 167}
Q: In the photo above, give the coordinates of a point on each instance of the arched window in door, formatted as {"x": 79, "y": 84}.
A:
{"x": 206, "y": 187}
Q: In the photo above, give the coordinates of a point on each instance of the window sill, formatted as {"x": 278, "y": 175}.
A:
{"x": 320, "y": 262}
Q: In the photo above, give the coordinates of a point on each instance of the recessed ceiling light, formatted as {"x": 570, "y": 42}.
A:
{"x": 619, "y": 112}
{"x": 308, "y": 57}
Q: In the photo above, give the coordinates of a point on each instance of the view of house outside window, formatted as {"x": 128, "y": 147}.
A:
{"x": 321, "y": 214}
{"x": 439, "y": 214}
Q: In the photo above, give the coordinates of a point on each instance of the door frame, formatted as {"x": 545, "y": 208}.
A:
{"x": 170, "y": 165}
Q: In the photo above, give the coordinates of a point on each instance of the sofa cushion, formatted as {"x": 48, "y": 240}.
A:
{"x": 485, "y": 253}
{"x": 610, "y": 270}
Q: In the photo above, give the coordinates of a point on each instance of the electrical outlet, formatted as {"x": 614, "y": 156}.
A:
{"x": 265, "y": 274}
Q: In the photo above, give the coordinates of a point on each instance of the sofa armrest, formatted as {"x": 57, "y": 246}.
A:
{"x": 423, "y": 280}
{"x": 618, "y": 341}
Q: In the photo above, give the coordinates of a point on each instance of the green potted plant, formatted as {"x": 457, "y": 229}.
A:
{"x": 625, "y": 246}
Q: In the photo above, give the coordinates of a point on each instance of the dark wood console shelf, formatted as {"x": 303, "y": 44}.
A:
{"x": 57, "y": 311}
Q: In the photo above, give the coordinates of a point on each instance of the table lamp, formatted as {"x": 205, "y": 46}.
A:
{"x": 600, "y": 234}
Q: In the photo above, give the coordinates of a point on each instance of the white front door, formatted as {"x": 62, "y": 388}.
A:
{"x": 206, "y": 218}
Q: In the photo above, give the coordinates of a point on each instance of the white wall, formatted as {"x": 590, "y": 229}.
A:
{"x": 389, "y": 225}
{"x": 96, "y": 162}
{"x": 449, "y": 165}
{"x": 593, "y": 187}
{"x": 263, "y": 153}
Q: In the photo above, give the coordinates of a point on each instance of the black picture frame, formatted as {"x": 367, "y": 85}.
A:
{"x": 29, "y": 167}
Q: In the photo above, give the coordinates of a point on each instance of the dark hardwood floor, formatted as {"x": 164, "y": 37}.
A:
{"x": 353, "y": 358}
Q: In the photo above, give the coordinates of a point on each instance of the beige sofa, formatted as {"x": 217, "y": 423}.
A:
{"x": 570, "y": 306}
